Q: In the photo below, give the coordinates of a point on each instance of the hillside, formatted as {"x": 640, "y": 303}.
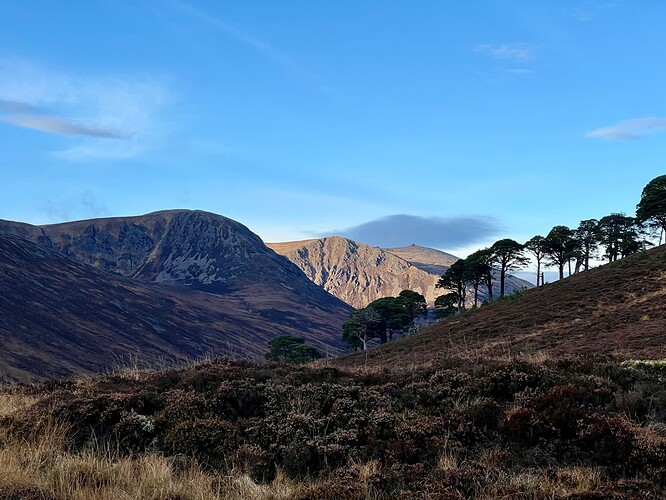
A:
{"x": 83, "y": 296}
{"x": 358, "y": 273}
{"x": 618, "y": 308}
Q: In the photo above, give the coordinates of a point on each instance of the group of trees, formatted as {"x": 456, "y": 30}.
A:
{"x": 611, "y": 237}
{"x": 384, "y": 318}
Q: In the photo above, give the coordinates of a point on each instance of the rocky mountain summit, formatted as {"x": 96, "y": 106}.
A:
{"x": 173, "y": 284}
{"x": 355, "y": 272}
{"x": 358, "y": 273}
{"x": 427, "y": 259}
{"x": 194, "y": 248}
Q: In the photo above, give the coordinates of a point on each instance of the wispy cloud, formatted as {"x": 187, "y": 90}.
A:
{"x": 441, "y": 232}
{"x": 102, "y": 116}
{"x": 61, "y": 126}
{"x": 508, "y": 51}
{"x": 630, "y": 130}
{"x": 261, "y": 46}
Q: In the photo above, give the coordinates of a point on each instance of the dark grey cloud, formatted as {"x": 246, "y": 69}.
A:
{"x": 63, "y": 126}
{"x": 441, "y": 232}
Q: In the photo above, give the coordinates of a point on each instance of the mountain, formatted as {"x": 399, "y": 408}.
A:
{"x": 358, "y": 273}
{"x": 618, "y": 308}
{"x": 355, "y": 272}
{"x": 78, "y": 297}
{"x": 428, "y": 259}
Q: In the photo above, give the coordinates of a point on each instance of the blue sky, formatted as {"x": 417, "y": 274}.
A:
{"x": 450, "y": 124}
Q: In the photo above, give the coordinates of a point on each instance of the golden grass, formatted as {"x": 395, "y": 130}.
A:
{"x": 12, "y": 403}
{"x": 43, "y": 463}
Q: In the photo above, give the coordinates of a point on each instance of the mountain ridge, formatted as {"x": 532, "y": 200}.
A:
{"x": 358, "y": 273}
{"x": 216, "y": 272}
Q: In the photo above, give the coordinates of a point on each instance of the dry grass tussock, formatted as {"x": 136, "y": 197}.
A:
{"x": 39, "y": 466}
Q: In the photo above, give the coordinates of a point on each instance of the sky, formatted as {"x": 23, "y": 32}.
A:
{"x": 440, "y": 123}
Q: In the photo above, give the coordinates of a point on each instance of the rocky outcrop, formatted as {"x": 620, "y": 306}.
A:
{"x": 358, "y": 273}
{"x": 355, "y": 272}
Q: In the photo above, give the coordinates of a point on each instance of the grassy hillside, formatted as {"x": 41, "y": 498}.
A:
{"x": 618, "y": 308}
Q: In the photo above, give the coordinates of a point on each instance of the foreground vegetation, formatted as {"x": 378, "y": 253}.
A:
{"x": 483, "y": 428}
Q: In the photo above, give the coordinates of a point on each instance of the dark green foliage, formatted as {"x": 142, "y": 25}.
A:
{"x": 393, "y": 316}
{"x": 455, "y": 281}
{"x": 652, "y": 207}
{"x": 619, "y": 235}
{"x": 537, "y": 247}
{"x": 383, "y": 318}
{"x": 362, "y": 326}
{"x": 446, "y": 305}
{"x": 293, "y": 350}
{"x": 560, "y": 245}
{"x": 414, "y": 303}
{"x": 509, "y": 256}
{"x": 478, "y": 270}
{"x": 589, "y": 236}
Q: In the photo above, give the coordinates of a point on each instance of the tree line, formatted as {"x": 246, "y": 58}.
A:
{"x": 609, "y": 238}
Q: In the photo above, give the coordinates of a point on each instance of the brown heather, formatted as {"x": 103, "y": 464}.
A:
{"x": 553, "y": 428}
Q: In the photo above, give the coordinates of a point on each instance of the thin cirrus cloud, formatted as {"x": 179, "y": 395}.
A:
{"x": 402, "y": 229}
{"x": 630, "y": 130}
{"x": 98, "y": 117}
{"x": 518, "y": 52}
{"x": 63, "y": 126}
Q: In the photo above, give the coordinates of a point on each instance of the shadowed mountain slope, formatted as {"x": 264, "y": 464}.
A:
{"x": 619, "y": 308}
{"x": 186, "y": 247}
{"x": 81, "y": 295}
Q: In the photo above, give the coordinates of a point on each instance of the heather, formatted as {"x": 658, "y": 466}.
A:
{"x": 466, "y": 427}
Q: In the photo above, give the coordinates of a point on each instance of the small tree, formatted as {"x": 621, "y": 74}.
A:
{"x": 393, "y": 317}
{"x": 414, "y": 303}
{"x": 510, "y": 256}
{"x": 477, "y": 268}
{"x": 361, "y": 326}
{"x": 588, "y": 236}
{"x": 652, "y": 207}
{"x": 292, "y": 350}
{"x": 559, "y": 246}
{"x": 455, "y": 280}
{"x": 619, "y": 234}
{"x": 446, "y": 305}
{"x": 487, "y": 257}
{"x": 537, "y": 247}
